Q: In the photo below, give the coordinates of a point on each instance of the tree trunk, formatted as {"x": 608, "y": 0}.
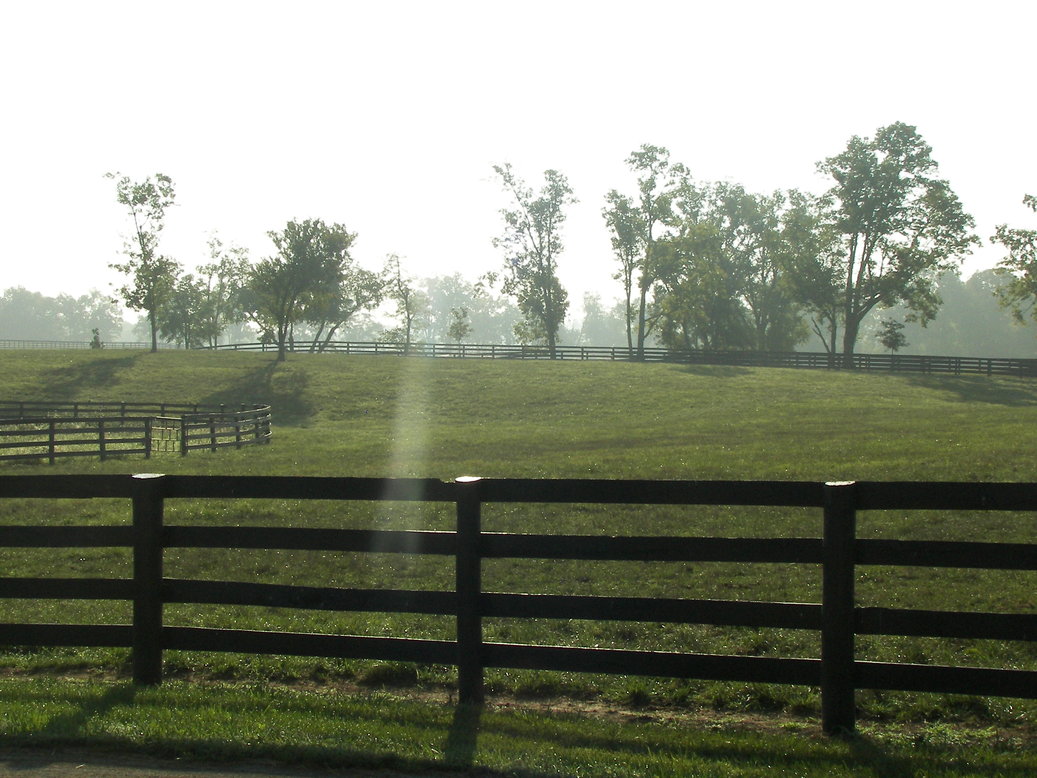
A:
{"x": 850, "y": 332}
{"x": 154, "y": 330}
{"x": 642, "y": 306}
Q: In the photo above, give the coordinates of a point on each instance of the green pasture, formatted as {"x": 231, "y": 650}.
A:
{"x": 391, "y": 416}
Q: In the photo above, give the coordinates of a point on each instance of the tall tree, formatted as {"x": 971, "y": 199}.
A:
{"x": 900, "y": 226}
{"x": 411, "y": 303}
{"x": 532, "y": 241}
{"x": 308, "y": 264}
{"x": 359, "y": 290}
{"x": 1019, "y": 268}
{"x": 152, "y": 277}
{"x": 638, "y": 223}
{"x": 181, "y": 320}
{"x": 220, "y": 282}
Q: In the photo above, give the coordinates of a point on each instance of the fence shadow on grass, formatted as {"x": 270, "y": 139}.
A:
{"x": 287, "y": 395}
{"x": 79, "y": 379}
{"x": 1017, "y": 393}
{"x": 74, "y": 723}
{"x": 716, "y": 371}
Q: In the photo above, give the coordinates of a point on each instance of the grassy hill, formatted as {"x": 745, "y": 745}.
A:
{"x": 363, "y": 415}
{"x": 390, "y": 416}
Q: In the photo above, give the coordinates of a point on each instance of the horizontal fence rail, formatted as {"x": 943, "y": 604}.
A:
{"x": 946, "y": 365}
{"x": 7, "y": 343}
{"x": 41, "y": 430}
{"x": 839, "y": 552}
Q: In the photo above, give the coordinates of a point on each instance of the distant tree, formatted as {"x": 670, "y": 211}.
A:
{"x": 460, "y": 324}
{"x": 603, "y": 326}
{"x": 891, "y": 335}
{"x": 1019, "y": 268}
{"x": 34, "y": 316}
{"x": 698, "y": 296}
{"x": 724, "y": 279}
{"x": 221, "y": 282}
{"x": 95, "y": 341}
{"x": 181, "y": 318}
{"x": 900, "y": 226}
{"x": 532, "y": 242}
{"x": 308, "y": 264}
{"x": 637, "y": 224}
{"x": 411, "y": 302}
{"x": 492, "y": 317}
{"x": 152, "y": 277}
{"x": 359, "y": 290}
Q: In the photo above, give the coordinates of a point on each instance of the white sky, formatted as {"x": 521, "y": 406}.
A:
{"x": 388, "y": 116}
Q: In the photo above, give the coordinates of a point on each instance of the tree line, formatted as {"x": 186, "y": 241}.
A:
{"x": 702, "y": 264}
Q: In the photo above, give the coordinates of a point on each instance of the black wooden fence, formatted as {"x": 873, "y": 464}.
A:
{"x": 913, "y": 363}
{"x": 48, "y": 431}
{"x": 839, "y": 551}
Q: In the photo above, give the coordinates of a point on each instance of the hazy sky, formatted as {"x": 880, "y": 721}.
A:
{"x": 388, "y": 116}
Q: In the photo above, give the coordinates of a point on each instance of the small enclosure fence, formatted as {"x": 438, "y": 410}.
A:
{"x": 48, "y": 431}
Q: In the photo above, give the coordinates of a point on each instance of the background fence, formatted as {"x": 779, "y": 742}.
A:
{"x": 54, "y": 430}
{"x": 839, "y": 552}
{"x": 789, "y": 359}
{"x": 913, "y": 363}
{"x": 77, "y": 344}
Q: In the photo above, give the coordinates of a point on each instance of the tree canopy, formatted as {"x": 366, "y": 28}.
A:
{"x": 899, "y": 225}
{"x": 307, "y": 268}
{"x": 532, "y": 242}
{"x": 152, "y": 277}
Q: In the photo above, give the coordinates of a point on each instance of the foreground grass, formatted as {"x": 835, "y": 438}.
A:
{"x": 379, "y": 416}
{"x": 378, "y": 730}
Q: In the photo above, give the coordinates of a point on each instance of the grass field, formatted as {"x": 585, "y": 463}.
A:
{"x": 387, "y": 416}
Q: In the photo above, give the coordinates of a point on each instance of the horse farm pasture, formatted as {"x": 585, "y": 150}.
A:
{"x": 443, "y": 418}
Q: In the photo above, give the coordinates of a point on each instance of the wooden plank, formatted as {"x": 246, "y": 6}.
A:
{"x": 311, "y": 488}
{"x": 302, "y": 644}
{"x": 312, "y": 539}
{"x": 674, "y": 611}
{"x": 983, "y": 681}
{"x": 468, "y": 585}
{"x": 837, "y": 635}
{"x": 946, "y": 495}
{"x": 147, "y": 578}
{"x": 109, "y": 635}
{"x": 654, "y": 663}
{"x": 946, "y": 624}
{"x": 66, "y": 486}
{"x": 65, "y": 537}
{"x": 652, "y": 549}
{"x": 307, "y": 597}
{"x": 638, "y": 492}
{"x": 67, "y": 588}
{"x": 935, "y": 553}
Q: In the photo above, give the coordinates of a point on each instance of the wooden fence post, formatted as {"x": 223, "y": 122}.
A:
{"x": 52, "y": 440}
{"x": 100, "y": 439}
{"x": 837, "y": 628}
{"x": 468, "y": 571}
{"x": 148, "y": 434}
{"x": 147, "y": 578}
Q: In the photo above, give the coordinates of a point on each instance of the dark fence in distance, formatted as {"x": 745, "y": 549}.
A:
{"x": 77, "y": 344}
{"x": 913, "y": 363}
{"x": 55, "y": 430}
{"x": 839, "y": 552}
{"x": 791, "y": 359}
